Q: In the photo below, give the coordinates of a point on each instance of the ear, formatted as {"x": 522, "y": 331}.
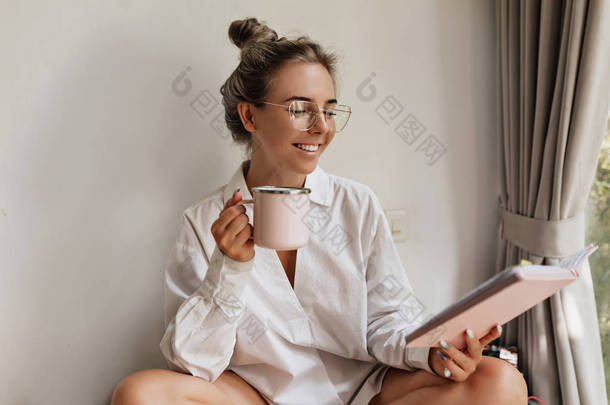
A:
{"x": 246, "y": 114}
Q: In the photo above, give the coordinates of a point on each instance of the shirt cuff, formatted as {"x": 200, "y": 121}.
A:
{"x": 236, "y": 264}
{"x": 224, "y": 273}
{"x": 418, "y": 357}
{"x": 224, "y": 260}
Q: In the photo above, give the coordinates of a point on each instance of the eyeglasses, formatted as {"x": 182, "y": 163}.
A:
{"x": 304, "y": 114}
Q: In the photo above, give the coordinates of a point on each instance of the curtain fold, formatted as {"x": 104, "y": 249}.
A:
{"x": 553, "y": 69}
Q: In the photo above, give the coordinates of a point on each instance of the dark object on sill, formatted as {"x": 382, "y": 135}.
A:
{"x": 510, "y": 353}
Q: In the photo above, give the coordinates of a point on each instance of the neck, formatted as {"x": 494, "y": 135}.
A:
{"x": 260, "y": 173}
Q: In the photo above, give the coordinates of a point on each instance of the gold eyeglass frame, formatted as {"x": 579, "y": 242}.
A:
{"x": 347, "y": 109}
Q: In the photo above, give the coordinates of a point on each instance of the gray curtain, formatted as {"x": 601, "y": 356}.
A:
{"x": 554, "y": 86}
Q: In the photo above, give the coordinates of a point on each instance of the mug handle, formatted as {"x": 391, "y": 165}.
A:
{"x": 245, "y": 202}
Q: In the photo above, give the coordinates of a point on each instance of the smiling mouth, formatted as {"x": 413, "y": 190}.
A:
{"x": 307, "y": 147}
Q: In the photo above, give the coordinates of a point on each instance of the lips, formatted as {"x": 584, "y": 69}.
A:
{"x": 312, "y": 152}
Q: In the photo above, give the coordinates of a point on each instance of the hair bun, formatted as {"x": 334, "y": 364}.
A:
{"x": 244, "y": 33}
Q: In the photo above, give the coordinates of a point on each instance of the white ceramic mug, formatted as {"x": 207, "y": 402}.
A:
{"x": 279, "y": 216}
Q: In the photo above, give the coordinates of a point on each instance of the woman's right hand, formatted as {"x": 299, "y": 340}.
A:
{"x": 232, "y": 231}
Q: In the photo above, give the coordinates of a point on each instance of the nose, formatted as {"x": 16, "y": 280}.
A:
{"x": 320, "y": 124}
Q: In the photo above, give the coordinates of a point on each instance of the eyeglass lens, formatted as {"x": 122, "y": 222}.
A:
{"x": 305, "y": 113}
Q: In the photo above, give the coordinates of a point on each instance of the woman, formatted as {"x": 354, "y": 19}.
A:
{"x": 326, "y": 325}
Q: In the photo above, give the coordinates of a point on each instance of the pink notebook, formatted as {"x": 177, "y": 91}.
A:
{"x": 498, "y": 300}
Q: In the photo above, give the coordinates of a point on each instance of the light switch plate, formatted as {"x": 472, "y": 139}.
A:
{"x": 399, "y": 224}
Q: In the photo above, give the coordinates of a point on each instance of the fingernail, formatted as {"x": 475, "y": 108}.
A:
{"x": 442, "y": 356}
{"x": 447, "y": 373}
{"x": 445, "y": 345}
{"x": 235, "y": 192}
{"x": 470, "y": 333}
{"x": 499, "y": 328}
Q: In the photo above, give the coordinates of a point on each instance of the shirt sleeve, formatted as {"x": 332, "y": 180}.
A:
{"x": 202, "y": 307}
{"x": 393, "y": 310}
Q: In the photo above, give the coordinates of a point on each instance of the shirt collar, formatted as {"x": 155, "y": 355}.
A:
{"x": 317, "y": 181}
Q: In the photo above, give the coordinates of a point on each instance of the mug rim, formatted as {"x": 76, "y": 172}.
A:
{"x": 281, "y": 190}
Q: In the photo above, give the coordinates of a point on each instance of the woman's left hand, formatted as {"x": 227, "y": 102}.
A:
{"x": 457, "y": 364}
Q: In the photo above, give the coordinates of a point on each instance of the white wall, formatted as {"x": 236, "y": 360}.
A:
{"x": 98, "y": 158}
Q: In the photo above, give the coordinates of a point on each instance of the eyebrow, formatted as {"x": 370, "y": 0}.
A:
{"x": 331, "y": 101}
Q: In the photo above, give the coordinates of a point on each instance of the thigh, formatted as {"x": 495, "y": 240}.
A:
{"x": 398, "y": 383}
{"x": 159, "y": 386}
{"x": 238, "y": 390}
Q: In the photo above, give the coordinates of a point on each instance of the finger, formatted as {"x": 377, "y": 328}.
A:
{"x": 491, "y": 335}
{"x": 243, "y": 236}
{"x": 230, "y": 211}
{"x": 236, "y": 198}
{"x": 437, "y": 361}
{"x": 233, "y": 198}
{"x": 449, "y": 369}
{"x": 236, "y": 226}
{"x": 460, "y": 358}
{"x": 473, "y": 345}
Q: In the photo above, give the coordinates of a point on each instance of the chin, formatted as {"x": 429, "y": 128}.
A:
{"x": 306, "y": 168}
{"x": 303, "y": 164}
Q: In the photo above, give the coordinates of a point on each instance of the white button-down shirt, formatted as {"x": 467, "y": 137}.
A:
{"x": 331, "y": 339}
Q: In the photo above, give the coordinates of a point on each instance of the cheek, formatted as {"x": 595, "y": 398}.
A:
{"x": 279, "y": 139}
{"x": 279, "y": 127}
{"x": 276, "y": 132}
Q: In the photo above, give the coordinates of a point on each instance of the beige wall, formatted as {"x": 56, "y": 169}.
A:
{"x": 99, "y": 156}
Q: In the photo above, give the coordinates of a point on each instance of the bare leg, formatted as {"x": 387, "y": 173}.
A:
{"x": 166, "y": 387}
{"x": 494, "y": 382}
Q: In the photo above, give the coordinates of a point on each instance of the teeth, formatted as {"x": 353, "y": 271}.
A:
{"x": 311, "y": 148}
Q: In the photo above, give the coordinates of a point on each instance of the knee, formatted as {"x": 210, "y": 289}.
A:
{"x": 138, "y": 388}
{"x": 497, "y": 381}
